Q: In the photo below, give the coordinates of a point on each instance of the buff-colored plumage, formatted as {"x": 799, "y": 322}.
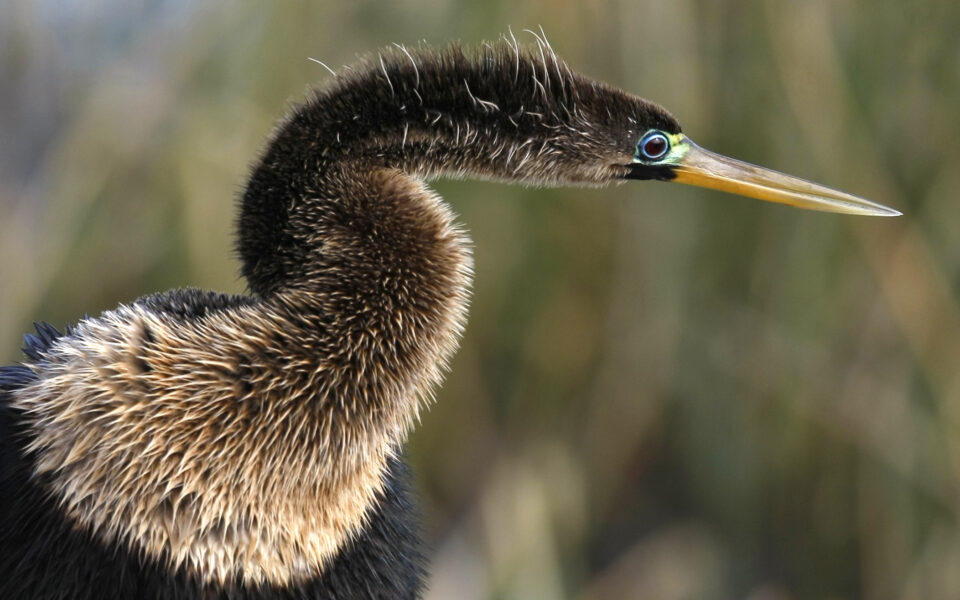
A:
{"x": 217, "y": 460}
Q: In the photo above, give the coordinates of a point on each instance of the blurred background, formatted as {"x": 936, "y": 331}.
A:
{"x": 663, "y": 392}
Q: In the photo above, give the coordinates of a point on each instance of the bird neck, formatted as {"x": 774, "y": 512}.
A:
{"x": 500, "y": 114}
{"x": 361, "y": 274}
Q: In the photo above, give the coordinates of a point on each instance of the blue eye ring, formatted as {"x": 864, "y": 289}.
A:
{"x": 653, "y": 146}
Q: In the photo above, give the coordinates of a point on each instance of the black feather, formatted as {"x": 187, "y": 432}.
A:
{"x": 15, "y": 376}
{"x": 187, "y": 304}
{"x": 35, "y": 345}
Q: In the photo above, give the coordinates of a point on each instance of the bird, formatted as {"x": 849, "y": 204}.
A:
{"x": 193, "y": 444}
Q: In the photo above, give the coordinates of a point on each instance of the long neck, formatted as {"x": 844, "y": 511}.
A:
{"x": 361, "y": 275}
{"x": 501, "y": 114}
{"x": 341, "y": 238}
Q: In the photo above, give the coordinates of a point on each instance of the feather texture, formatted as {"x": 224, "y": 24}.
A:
{"x": 192, "y": 444}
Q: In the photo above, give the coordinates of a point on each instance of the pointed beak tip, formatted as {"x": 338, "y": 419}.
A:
{"x": 880, "y": 210}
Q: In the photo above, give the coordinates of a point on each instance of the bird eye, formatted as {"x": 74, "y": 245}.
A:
{"x": 653, "y": 146}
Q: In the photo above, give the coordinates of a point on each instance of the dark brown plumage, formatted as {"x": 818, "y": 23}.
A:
{"x": 194, "y": 445}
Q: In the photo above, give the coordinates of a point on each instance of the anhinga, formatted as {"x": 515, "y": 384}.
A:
{"x": 195, "y": 445}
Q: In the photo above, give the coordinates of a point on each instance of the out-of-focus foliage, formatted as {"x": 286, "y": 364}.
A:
{"x": 662, "y": 392}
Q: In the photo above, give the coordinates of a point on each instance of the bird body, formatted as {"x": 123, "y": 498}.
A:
{"x": 192, "y": 444}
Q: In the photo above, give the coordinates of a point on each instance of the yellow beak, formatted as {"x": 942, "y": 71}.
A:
{"x": 697, "y": 166}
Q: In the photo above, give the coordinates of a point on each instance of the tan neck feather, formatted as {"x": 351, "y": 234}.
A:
{"x": 253, "y": 441}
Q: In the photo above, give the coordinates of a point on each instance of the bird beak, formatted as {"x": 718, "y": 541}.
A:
{"x": 691, "y": 164}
